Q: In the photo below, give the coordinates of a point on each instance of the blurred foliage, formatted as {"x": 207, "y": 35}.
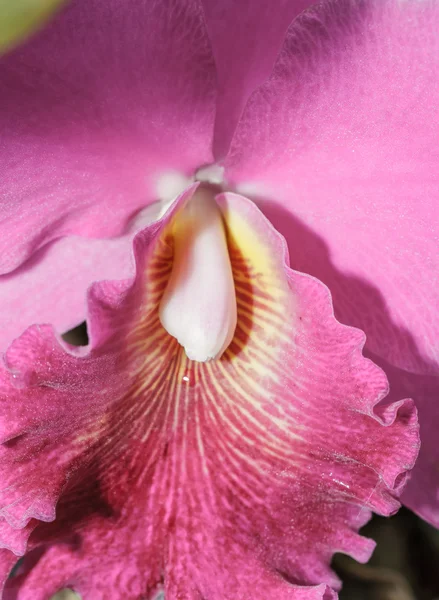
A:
{"x": 78, "y": 336}
{"x": 20, "y": 18}
{"x": 404, "y": 565}
{"x": 65, "y": 595}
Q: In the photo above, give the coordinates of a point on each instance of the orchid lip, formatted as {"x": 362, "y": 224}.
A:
{"x": 198, "y": 307}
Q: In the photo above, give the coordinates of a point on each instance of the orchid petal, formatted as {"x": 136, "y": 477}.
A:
{"x": 51, "y": 286}
{"x": 341, "y": 147}
{"x": 235, "y": 478}
{"x": 93, "y": 111}
{"x": 246, "y": 37}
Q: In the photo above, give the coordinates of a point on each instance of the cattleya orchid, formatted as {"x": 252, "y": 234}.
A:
{"x": 222, "y": 434}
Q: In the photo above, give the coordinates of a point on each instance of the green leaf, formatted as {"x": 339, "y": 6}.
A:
{"x": 20, "y": 18}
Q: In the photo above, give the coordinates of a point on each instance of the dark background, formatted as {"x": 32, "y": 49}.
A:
{"x": 404, "y": 566}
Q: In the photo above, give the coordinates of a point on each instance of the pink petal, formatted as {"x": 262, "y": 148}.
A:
{"x": 246, "y": 38}
{"x": 51, "y": 286}
{"x": 236, "y": 478}
{"x": 93, "y": 110}
{"x": 341, "y": 143}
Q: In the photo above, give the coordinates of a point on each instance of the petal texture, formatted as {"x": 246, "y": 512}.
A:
{"x": 93, "y": 110}
{"x": 341, "y": 143}
{"x": 51, "y": 286}
{"x": 246, "y": 38}
{"x": 232, "y": 479}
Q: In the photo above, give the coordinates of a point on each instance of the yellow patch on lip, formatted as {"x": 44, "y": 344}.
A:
{"x": 262, "y": 292}
{"x": 252, "y": 363}
{"x": 263, "y": 296}
{"x": 232, "y": 403}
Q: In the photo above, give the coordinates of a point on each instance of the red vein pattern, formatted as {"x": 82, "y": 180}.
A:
{"x": 232, "y": 479}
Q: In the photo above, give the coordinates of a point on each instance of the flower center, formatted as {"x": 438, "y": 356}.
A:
{"x": 198, "y": 307}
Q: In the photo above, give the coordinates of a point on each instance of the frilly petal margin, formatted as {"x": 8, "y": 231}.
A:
{"x": 93, "y": 110}
{"x": 246, "y": 38}
{"x": 340, "y": 144}
{"x": 233, "y": 479}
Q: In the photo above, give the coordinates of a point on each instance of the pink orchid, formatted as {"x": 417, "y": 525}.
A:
{"x": 136, "y": 465}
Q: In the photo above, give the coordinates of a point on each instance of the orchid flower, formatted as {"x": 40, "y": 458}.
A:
{"x": 222, "y": 435}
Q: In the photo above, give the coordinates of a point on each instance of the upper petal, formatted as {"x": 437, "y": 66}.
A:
{"x": 341, "y": 143}
{"x": 92, "y": 111}
{"x": 246, "y": 38}
{"x": 236, "y": 478}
